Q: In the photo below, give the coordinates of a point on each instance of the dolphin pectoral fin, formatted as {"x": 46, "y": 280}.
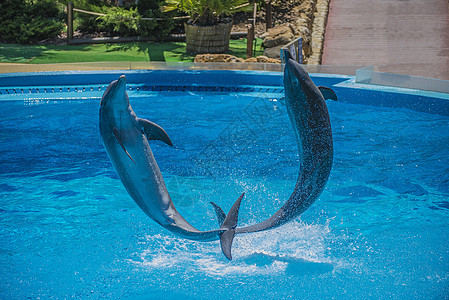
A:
{"x": 153, "y": 131}
{"x": 327, "y": 93}
{"x": 116, "y": 135}
{"x": 221, "y": 216}
{"x": 230, "y": 223}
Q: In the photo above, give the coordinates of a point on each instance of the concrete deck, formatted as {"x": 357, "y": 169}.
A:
{"x": 400, "y": 36}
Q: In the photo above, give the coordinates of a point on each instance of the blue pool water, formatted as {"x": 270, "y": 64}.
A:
{"x": 69, "y": 229}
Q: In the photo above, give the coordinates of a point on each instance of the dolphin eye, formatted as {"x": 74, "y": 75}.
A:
{"x": 296, "y": 82}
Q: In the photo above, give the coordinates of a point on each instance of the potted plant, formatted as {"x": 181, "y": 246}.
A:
{"x": 209, "y": 27}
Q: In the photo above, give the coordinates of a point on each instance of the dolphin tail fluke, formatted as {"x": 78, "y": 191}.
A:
{"x": 221, "y": 216}
{"x": 229, "y": 223}
{"x": 226, "y": 240}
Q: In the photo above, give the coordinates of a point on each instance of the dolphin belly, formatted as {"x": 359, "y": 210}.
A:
{"x": 125, "y": 138}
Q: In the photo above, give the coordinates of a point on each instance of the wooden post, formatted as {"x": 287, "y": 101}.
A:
{"x": 268, "y": 16}
{"x": 69, "y": 22}
{"x": 251, "y": 32}
{"x": 249, "y": 41}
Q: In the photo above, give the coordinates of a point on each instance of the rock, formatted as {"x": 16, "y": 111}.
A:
{"x": 307, "y": 7}
{"x": 300, "y": 30}
{"x": 232, "y": 59}
{"x": 298, "y": 26}
{"x": 319, "y": 25}
{"x": 218, "y": 58}
{"x": 274, "y": 52}
{"x": 307, "y": 20}
{"x": 251, "y": 60}
{"x": 278, "y": 40}
{"x": 275, "y": 31}
{"x": 265, "y": 59}
{"x": 277, "y": 35}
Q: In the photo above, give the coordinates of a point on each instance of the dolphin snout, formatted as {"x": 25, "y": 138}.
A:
{"x": 117, "y": 87}
{"x": 122, "y": 80}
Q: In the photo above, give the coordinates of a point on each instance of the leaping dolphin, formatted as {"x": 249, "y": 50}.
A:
{"x": 308, "y": 114}
{"x": 125, "y": 138}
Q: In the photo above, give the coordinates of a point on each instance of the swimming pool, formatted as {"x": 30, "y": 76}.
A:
{"x": 69, "y": 228}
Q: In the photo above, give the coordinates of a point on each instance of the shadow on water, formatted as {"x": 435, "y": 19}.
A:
{"x": 295, "y": 266}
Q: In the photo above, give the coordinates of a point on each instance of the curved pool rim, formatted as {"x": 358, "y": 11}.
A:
{"x": 14, "y": 86}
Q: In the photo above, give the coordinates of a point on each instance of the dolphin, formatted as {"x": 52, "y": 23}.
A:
{"x": 309, "y": 116}
{"x": 125, "y": 138}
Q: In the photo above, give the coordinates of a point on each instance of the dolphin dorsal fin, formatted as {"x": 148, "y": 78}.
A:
{"x": 153, "y": 131}
{"x": 327, "y": 93}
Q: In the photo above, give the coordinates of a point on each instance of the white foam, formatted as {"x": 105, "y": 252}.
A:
{"x": 266, "y": 253}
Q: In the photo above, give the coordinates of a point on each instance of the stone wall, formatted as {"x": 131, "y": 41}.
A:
{"x": 233, "y": 59}
{"x": 307, "y": 20}
{"x": 276, "y": 38}
{"x": 319, "y": 26}
{"x": 309, "y": 23}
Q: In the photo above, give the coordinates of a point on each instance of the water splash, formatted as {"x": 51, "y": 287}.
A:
{"x": 295, "y": 248}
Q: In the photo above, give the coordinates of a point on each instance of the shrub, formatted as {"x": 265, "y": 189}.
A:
{"x": 123, "y": 21}
{"x": 28, "y": 21}
{"x": 206, "y": 12}
{"x": 152, "y": 9}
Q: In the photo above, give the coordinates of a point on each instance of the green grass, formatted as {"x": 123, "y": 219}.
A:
{"x": 140, "y": 51}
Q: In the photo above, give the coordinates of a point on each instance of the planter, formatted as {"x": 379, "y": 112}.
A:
{"x": 208, "y": 39}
